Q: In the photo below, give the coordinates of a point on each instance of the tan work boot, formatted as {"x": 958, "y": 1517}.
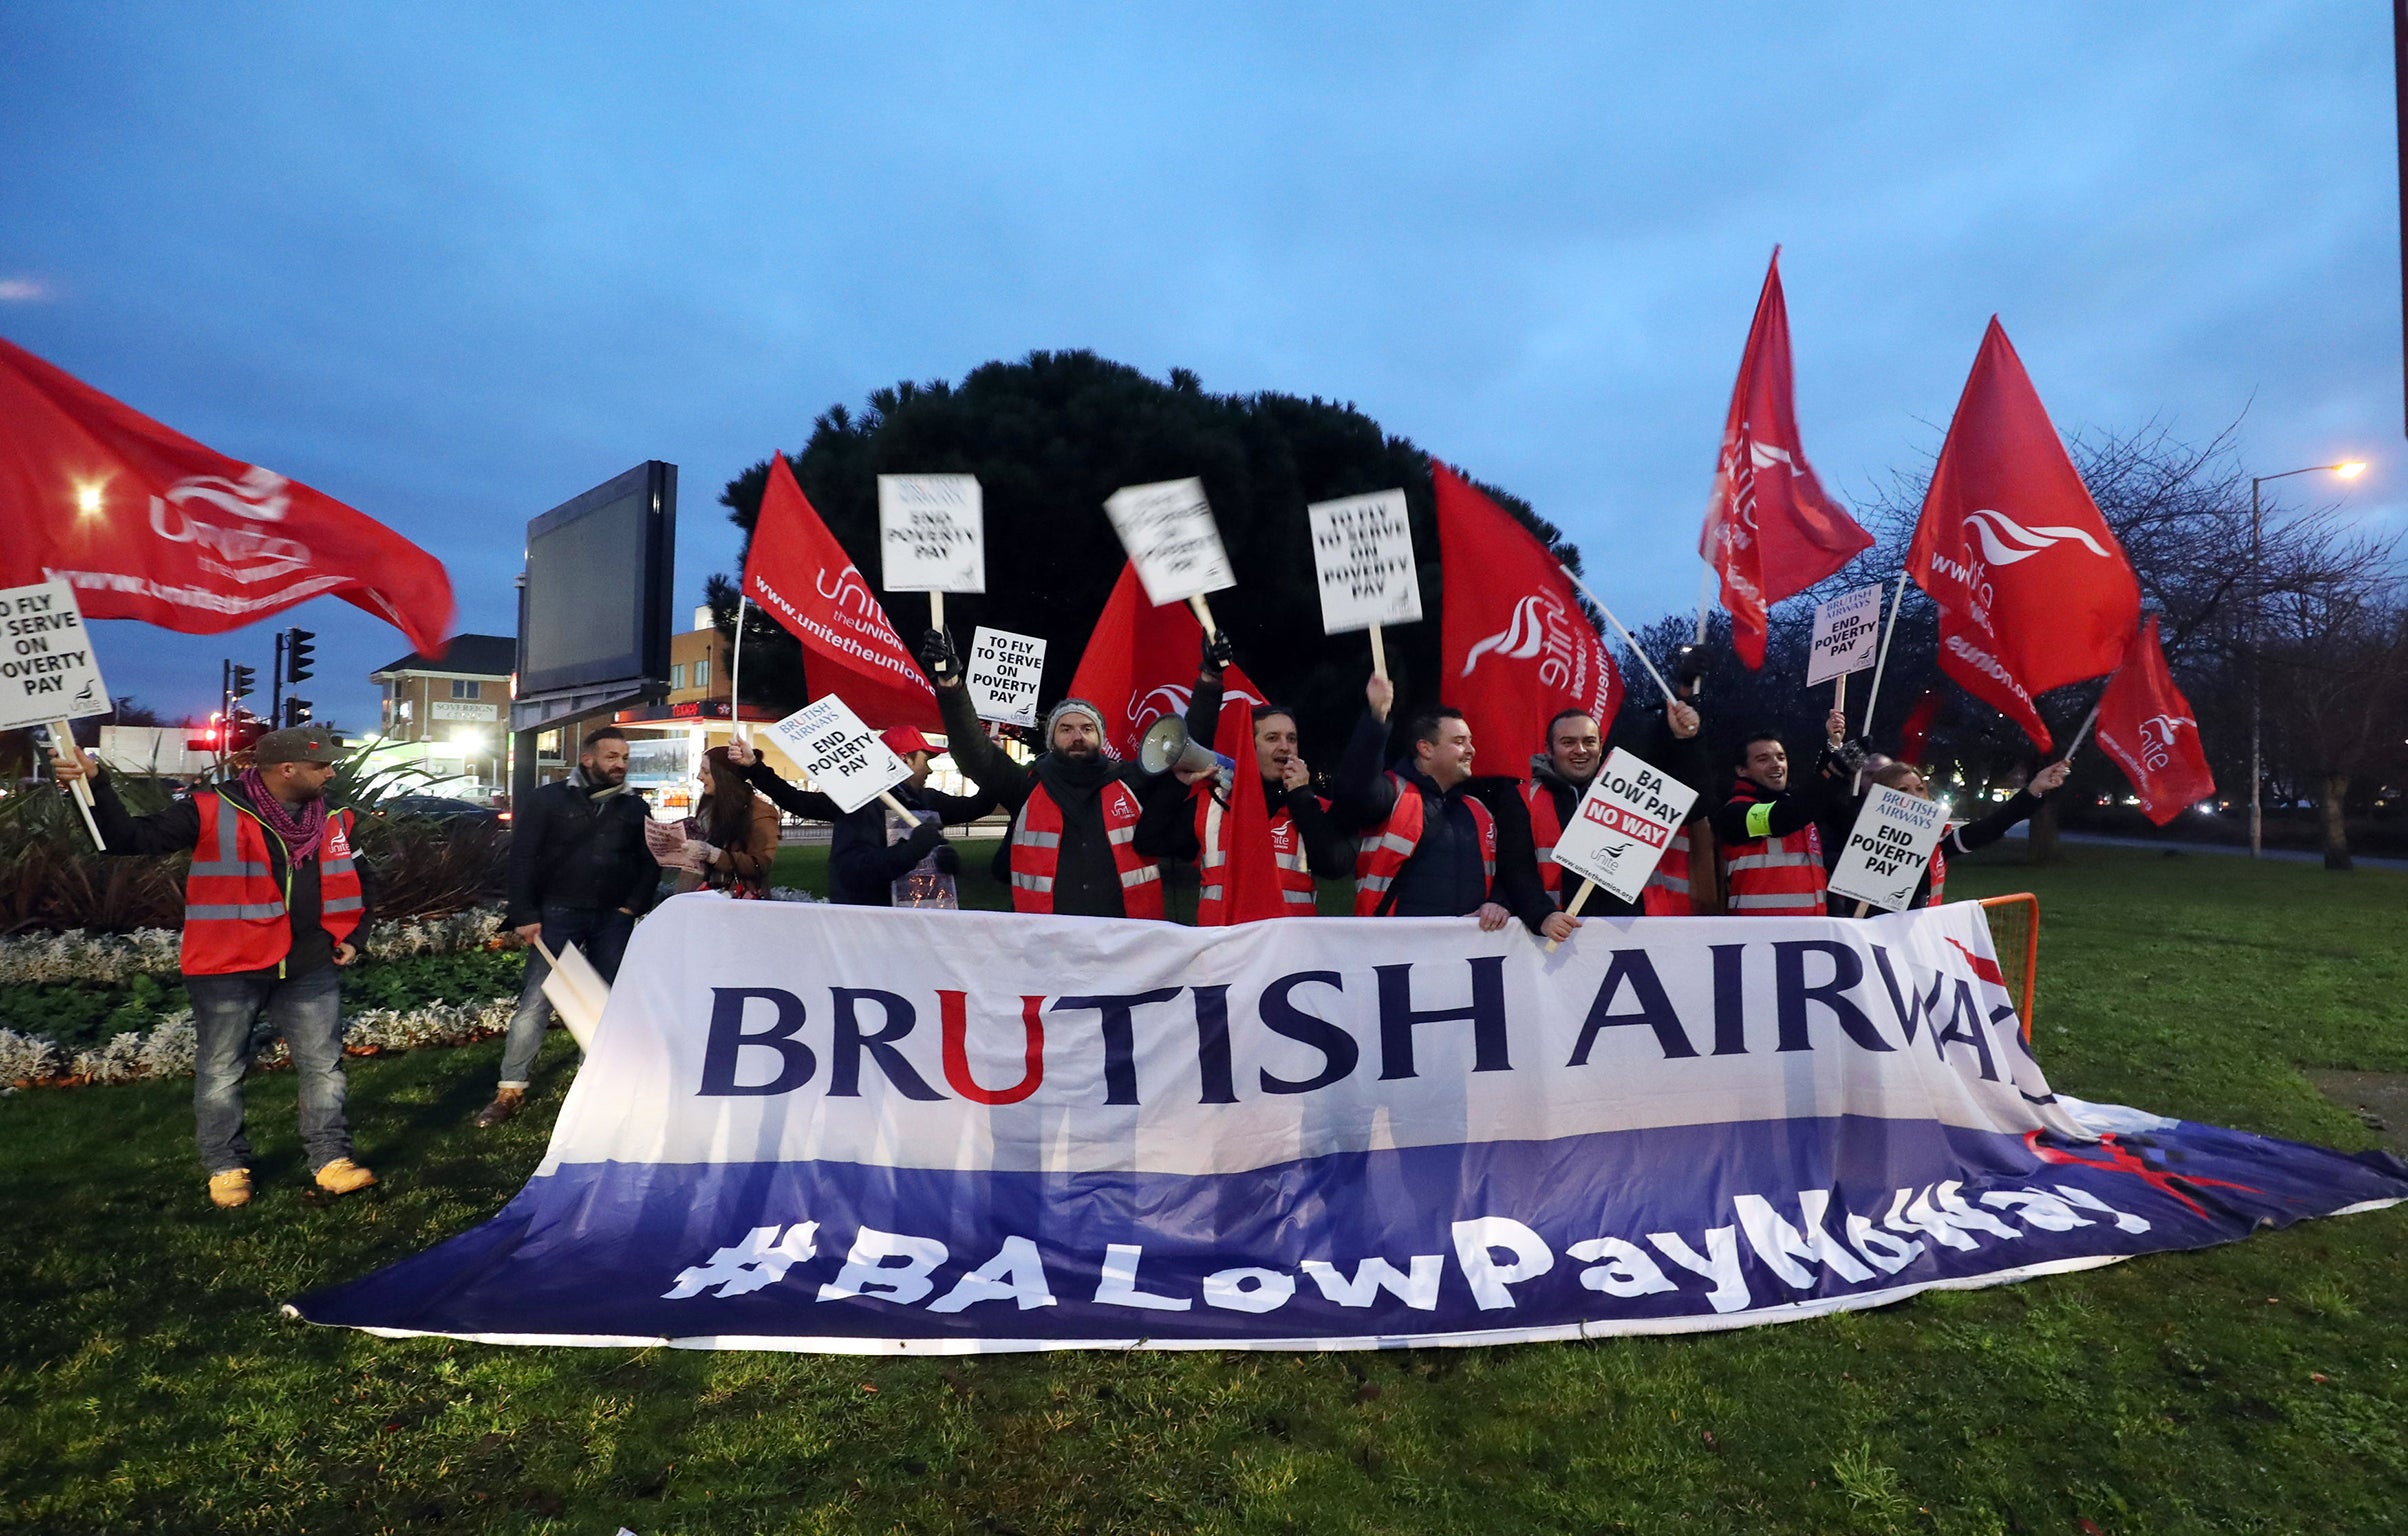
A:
{"x": 231, "y": 1188}
{"x": 506, "y": 1102}
{"x": 342, "y": 1176}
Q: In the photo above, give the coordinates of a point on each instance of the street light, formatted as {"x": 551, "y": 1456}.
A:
{"x": 2347, "y": 469}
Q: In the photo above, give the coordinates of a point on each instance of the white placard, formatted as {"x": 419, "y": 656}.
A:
{"x": 1002, "y": 675}
{"x": 1168, "y": 530}
{"x": 47, "y": 669}
{"x": 1623, "y": 824}
{"x": 1363, "y": 551}
{"x": 932, "y": 533}
{"x": 1847, "y": 631}
{"x": 1889, "y": 849}
{"x": 845, "y": 759}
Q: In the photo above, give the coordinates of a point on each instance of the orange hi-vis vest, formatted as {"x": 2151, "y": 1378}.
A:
{"x": 236, "y": 916}
{"x": 1287, "y": 848}
{"x": 1037, "y": 853}
{"x": 1939, "y": 878}
{"x": 1666, "y": 893}
{"x": 1546, "y": 827}
{"x": 1384, "y": 853}
{"x": 1773, "y": 876}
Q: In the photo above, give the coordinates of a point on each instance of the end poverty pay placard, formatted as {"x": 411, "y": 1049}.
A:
{"x": 1002, "y": 675}
{"x": 1847, "y": 631}
{"x": 47, "y": 668}
{"x": 1623, "y": 824}
{"x": 932, "y": 533}
{"x": 845, "y": 760}
{"x": 1889, "y": 849}
{"x": 1168, "y": 530}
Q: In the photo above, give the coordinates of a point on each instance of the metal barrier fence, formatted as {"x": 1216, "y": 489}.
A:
{"x": 2015, "y": 934}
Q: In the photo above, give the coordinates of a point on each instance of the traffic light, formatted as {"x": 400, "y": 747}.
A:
{"x": 202, "y": 738}
{"x": 296, "y": 711}
{"x": 299, "y": 654}
{"x": 245, "y": 681}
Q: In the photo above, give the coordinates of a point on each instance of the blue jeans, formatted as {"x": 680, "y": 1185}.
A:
{"x": 308, "y": 1012}
{"x": 601, "y": 936}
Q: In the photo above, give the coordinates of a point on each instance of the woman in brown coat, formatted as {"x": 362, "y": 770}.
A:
{"x": 734, "y": 834}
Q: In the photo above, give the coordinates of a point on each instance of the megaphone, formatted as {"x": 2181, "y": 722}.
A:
{"x": 1167, "y": 748}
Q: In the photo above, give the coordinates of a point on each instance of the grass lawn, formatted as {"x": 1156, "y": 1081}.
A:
{"x": 148, "y": 1384}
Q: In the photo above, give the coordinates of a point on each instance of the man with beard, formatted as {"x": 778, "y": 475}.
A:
{"x": 272, "y": 903}
{"x": 1563, "y": 773}
{"x": 579, "y": 874}
{"x": 1432, "y": 845}
{"x": 1072, "y": 847}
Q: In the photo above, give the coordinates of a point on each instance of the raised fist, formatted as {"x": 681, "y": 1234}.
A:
{"x": 938, "y": 656}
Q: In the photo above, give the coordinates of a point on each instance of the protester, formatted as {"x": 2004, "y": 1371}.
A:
{"x": 1687, "y": 879}
{"x": 273, "y": 902}
{"x": 1772, "y": 848}
{"x": 580, "y": 873}
{"x": 1432, "y": 845}
{"x": 735, "y": 836}
{"x": 873, "y": 860}
{"x": 1970, "y": 837}
{"x": 1562, "y": 774}
{"x": 1188, "y": 818}
{"x": 1072, "y": 847}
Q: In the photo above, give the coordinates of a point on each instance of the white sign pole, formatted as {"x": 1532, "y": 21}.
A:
{"x": 735, "y": 676}
{"x": 62, "y": 742}
{"x": 1888, "y": 631}
{"x": 1635, "y": 649}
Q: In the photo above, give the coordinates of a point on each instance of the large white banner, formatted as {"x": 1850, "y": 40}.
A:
{"x": 855, "y": 1129}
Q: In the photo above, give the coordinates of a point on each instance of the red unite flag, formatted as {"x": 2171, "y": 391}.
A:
{"x": 1252, "y": 875}
{"x": 1140, "y": 664}
{"x": 2145, "y": 724}
{"x": 802, "y": 577}
{"x": 147, "y": 524}
{"x": 2033, "y": 589}
{"x": 1513, "y": 645}
{"x": 1771, "y": 530}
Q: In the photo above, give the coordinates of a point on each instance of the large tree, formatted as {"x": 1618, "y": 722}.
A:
{"x": 1049, "y": 438}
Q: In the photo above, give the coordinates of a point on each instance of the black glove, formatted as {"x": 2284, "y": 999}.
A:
{"x": 1690, "y": 664}
{"x": 938, "y": 656}
{"x": 948, "y": 860}
{"x": 924, "y": 839}
{"x": 1850, "y": 755}
{"x": 1218, "y": 652}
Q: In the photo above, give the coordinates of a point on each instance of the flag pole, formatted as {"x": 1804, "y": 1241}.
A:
{"x": 2083, "y": 734}
{"x": 1705, "y": 597}
{"x": 735, "y": 678}
{"x": 1635, "y": 648}
{"x": 1897, "y": 601}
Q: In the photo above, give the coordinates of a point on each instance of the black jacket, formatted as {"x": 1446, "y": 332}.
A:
{"x": 862, "y": 866}
{"x": 1086, "y": 879}
{"x": 568, "y": 849}
{"x": 178, "y": 828}
{"x": 1444, "y": 878}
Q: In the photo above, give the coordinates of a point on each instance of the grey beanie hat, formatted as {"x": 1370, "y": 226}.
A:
{"x": 1071, "y": 707}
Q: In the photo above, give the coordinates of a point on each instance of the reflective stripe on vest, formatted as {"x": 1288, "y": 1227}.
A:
{"x": 1939, "y": 874}
{"x": 1546, "y": 829}
{"x": 1774, "y": 875}
{"x": 235, "y": 916}
{"x": 1296, "y": 890}
{"x": 1666, "y": 893}
{"x": 1037, "y": 852}
{"x": 1383, "y": 856}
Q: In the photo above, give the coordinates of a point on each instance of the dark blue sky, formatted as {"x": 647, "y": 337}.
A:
{"x": 454, "y": 264}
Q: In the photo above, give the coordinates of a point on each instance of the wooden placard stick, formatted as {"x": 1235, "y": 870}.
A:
{"x": 1580, "y": 899}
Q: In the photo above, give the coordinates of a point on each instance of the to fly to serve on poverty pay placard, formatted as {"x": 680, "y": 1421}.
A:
{"x": 1889, "y": 849}
{"x": 1623, "y": 824}
{"x": 1168, "y": 530}
{"x": 48, "y": 671}
{"x": 845, "y": 759}
{"x": 1847, "y": 632}
{"x": 1002, "y": 675}
{"x": 1363, "y": 554}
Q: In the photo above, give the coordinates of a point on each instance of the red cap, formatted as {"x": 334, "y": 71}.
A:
{"x": 904, "y": 741}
